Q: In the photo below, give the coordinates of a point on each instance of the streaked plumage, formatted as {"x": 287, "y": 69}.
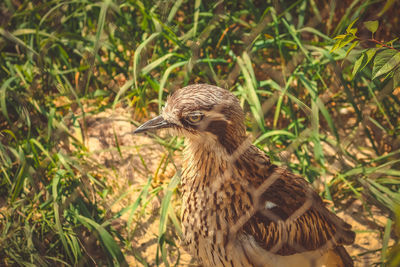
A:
{"x": 238, "y": 208}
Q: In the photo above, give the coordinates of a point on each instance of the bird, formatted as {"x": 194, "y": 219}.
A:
{"x": 238, "y": 208}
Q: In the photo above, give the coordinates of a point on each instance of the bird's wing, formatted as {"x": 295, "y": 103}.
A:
{"x": 289, "y": 217}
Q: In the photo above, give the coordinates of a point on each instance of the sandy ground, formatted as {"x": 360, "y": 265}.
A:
{"x": 142, "y": 157}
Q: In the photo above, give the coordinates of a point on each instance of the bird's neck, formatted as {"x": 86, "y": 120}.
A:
{"x": 201, "y": 160}
{"x": 198, "y": 154}
{"x": 207, "y": 160}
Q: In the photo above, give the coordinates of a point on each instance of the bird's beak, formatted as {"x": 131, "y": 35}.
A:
{"x": 153, "y": 124}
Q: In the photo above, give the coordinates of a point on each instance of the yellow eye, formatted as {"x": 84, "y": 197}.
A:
{"x": 195, "y": 117}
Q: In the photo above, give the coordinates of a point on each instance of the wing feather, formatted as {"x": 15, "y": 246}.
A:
{"x": 298, "y": 221}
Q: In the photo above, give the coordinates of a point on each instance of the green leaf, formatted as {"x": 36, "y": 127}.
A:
{"x": 335, "y": 46}
{"x": 357, "y": 65}
{"x": 385, "y": 61}
{"x": 349, "y": 28}
{"x": 370, "y": 54}
{"x": 351, "y": 47}
{"x": 363, "y": 61}
{"x": 396, "y": 78}
{"x": 347, "y": 40}
{"x": 353, "y": 31}
{"x": 343, "y": 42}
{"x": 340, "y": 36}
{"x": 372, "y": 25}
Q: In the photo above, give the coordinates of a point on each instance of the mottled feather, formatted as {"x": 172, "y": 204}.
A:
{"x": 238, "y": 208}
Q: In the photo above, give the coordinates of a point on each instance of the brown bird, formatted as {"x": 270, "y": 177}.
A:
{"x": 239, "y": 209}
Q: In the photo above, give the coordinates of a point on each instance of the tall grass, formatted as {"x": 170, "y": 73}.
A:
{"x": 65, "y": 60}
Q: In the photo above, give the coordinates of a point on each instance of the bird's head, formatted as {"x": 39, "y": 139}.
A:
{"x": 204, "y": 114}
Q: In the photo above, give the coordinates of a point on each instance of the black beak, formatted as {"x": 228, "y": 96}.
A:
{"x": 153, "y": 124}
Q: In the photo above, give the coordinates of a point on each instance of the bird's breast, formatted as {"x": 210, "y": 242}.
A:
{"x": 211, "y": 204}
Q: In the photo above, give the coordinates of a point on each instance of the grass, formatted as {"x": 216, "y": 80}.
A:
{"x": 64, "y": 61}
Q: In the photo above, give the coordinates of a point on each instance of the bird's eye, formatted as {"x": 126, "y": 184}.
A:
{"x": 195, "y": 117}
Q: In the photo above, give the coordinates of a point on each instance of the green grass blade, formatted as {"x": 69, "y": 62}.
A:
{"x": 164, "y": 81}
{"x": 250, "y": 89}
{"x": 165, "y": 206}
{"x": 106, "y": 239}
{"x": 136, "y": 57}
